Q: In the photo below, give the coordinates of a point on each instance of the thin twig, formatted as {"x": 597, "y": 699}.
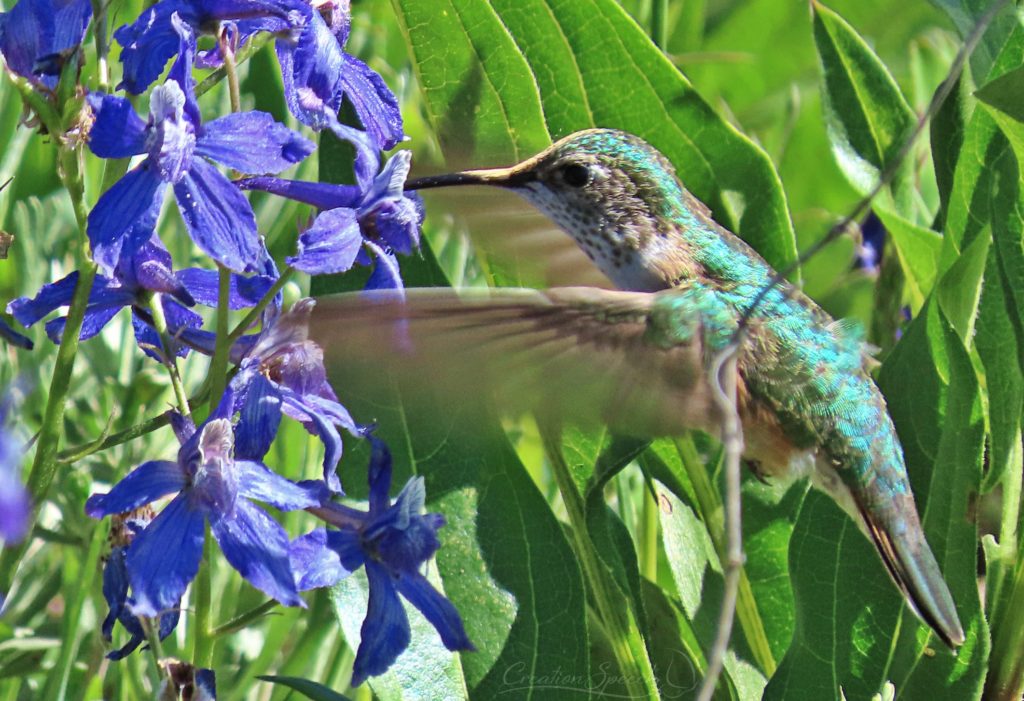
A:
{"x": 723, "y": 385}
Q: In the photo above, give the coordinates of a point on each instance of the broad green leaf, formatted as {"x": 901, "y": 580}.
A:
{"x": 478, "y": 89}
{"x": 309, "y": 689}
{"x": 867, "y": 117}
{"x": 918, "y": 248}
{"x": 592, "y": 66}
{"x": 853, "y": 633}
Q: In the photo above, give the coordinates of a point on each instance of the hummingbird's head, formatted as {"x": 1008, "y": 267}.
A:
{"x": 616, "y": 195}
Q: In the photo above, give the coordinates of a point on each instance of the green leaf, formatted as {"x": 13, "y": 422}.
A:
{"x": 960, "y": 290}
{"x": 588, "y": 64}
{"x": 678, "y": 660}
{"x": 867, "y": 117}
{"x": 918, "y": 248}
{"x": 478, "y": 89}
{"x": 309, "y": 689}
{"x": 966, "y": 14}
{"x": 1005, "y": 94}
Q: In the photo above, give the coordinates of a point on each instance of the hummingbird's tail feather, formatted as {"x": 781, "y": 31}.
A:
{"x": 913, "y": 568}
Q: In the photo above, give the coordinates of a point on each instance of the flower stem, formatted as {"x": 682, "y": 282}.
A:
{"x": 202, "y": 648}
{"x": 649, "y": 533}
{"x": 231, "y": 71}
{"x": 156, "y": 308}
{"x": 255, "y": 312}
{"x": 243, "y": 619}
{"x": 44, "y": 464}
{"x": 623, "y": 634}
{"x": 219, "y": 364}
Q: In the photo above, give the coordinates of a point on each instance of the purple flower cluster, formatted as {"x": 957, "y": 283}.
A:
{"x": 218, "y": 482}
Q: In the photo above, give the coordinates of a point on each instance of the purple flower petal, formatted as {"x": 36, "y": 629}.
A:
{"x": 256, "y": 481}
{"x": 117, "y": 132}
{"x": 96, "y": 317}
{"x": 375, "y": 104}
{"x": 330, "y": 245}
{"x": 297, "y": 406}
{"x": 314, "y": 563}
{"x": 257, "y": 547}
{"x": 34, "y": 30}
{"x": 134, "y": 199}
{"x": 436, "y": 609}
{"x": 385, "y": 631}
{"x": 252, "y": 142}
{"x": 148, "y": 44}
{"x": 218, "y": 217}
{"x": 13, "y": 337}
{"x": 203, "y": 285}
{"x": 164, "y": 558}
{"x": 260, "y": 415}
{"x": 386, "y": 274}
{"x": 51, "y": 296}
{"x": 320, "y": 195}
{"x": 143, "y": 485}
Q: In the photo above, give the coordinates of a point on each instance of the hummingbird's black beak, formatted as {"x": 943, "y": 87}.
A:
{"x": 514, "y": 177}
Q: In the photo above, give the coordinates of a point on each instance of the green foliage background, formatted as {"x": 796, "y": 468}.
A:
{"x": 780, "y": 116}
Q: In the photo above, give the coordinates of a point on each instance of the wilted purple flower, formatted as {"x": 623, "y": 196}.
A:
{"x": 392, "y": 541}
{"x": 15, "y": 503}
{"x": 35, "y": 35}
{"x": 115, "y": 585}
{"x": 209, "y": 485}
{"x": 13, "y": 337}
{"x": 152, "y": 39}
{"x": 217, "y": 216}
{"x": 283, "y": 373}
{"x": 318, "y": 75}
{"x": 187, "y": 683}
{"x": 375, "y": 216}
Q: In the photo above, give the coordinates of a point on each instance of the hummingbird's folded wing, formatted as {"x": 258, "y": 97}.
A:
{"x": 578, "y": 354}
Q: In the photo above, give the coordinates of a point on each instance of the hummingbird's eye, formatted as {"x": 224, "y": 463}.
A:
{"x": 575, "y": 174}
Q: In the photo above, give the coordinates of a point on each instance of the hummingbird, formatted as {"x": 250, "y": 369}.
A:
{"x": 637, "y": 358}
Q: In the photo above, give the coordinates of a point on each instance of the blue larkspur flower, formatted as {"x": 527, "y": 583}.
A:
{"x": 15, "y": 504}
{"x": 152, "y": 40}
{"x": 209, "y": 485}
{"x": 136, "y": 275}
{"x": 35, "y": 35}
{"x": 392, "y": 541}
{"x": 375, "y": 216}
{"x": 283, "y": 372}
{"x": 176, "y": 143}
{"x": 115, "y": 586}
{"x": 318, "y": 75}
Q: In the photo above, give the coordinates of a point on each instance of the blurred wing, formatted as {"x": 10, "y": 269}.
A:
{"x": 521, "y": 245}
{"x": 579, "y": 354}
